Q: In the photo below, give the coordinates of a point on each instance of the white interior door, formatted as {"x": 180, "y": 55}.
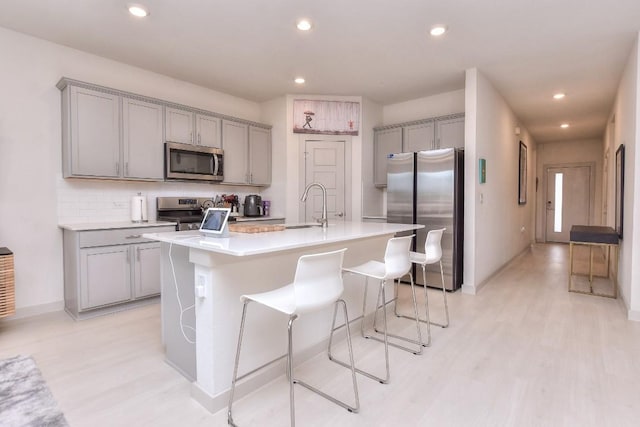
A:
{"x": 568, "y": 200}
{"x": 325, "y": 164}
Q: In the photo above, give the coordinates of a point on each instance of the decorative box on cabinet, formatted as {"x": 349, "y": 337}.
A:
{"x": 109, "y": 270}
{"x": 386, "y": 141}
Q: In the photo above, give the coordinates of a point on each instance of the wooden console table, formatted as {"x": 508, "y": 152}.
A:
{"x": 594, "y": 236}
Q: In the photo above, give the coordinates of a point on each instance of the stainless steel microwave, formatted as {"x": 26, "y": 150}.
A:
{"x": 193, "y": 162}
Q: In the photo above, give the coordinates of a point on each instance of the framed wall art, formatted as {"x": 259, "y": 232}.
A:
{"x": 619, "y": 189}
{"x": 522, "y": 174}
{"x": 326, "y": 117}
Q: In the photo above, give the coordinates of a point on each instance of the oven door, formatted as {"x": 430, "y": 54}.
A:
{"x": 192, "y": 162}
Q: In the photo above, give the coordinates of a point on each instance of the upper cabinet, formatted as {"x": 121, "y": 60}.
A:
{"x": 450, "y": 132}
{"x": 180, "y": 125}
{"x": 386, "y": 141}
{"x": 427, "y": 134}
{"x": 247, "y": 154}
{"x": 142, "y": 141}
{"x": 259, "y": 155}
{"x": 91, "y": 133}
{"x": 113, "y": 134}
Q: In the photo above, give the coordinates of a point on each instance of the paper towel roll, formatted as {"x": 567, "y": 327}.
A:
{"x": 139, "y": 209}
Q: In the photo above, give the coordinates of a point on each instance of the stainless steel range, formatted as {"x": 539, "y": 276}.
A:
{"x": 186, "y": 211}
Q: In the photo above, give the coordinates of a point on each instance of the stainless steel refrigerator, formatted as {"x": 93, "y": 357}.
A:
{"x": 427, "y": 188}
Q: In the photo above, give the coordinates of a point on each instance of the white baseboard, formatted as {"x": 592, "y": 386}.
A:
{"x": 36, "y": 310}
{"x": 633, "y": 315}
{"x": 469, "y": 289}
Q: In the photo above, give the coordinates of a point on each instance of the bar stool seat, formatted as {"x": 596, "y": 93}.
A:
{"x": 396, "y": 265}
{"x": 317, "y": 284}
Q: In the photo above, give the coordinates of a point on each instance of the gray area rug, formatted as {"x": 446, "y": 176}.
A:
{"x": 25, "y": 399}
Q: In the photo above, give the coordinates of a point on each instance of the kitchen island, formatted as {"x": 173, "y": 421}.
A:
{"x": 203, "y": 279}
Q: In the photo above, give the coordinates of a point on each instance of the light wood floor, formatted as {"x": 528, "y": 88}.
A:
{"x": 523, "y": 352}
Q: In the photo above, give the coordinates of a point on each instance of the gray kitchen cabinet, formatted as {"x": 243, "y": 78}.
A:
{"x": 235, "y": 143}
{"x": 142, "y": 140}
{"x": 178, "y": 125}
{"x": 208, "y": 131}
{"x": 146, "y": 269}
{"x": 418, "y": 137}
{"x": 386, "y": 141}
{"x": 427, "y": 134}
{"x": 105, "y": 276}
{"x": 247, "y": 153}
{"x": 259, "y": 156}
{"x": 450, "y": 133}
{"x": 108, "y": 270}
{"x": 91, "y": 133}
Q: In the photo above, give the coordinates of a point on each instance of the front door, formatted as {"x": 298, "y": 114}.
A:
{"x": 568, "y": 200}
{"x": 324, "y": 163}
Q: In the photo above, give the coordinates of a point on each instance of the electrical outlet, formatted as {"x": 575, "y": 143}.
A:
{"x": 201, "y": 288}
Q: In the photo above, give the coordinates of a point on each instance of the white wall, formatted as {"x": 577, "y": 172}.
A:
{"x": 565, "y": 153}
{"x": 496, "y": 227}
{"x": 423, "y": 108}
{"x": 626, "y": 112}
{"x": 30, "y": 155}
{"x": 274, "y": 112}
{"x": 372, "y": 197}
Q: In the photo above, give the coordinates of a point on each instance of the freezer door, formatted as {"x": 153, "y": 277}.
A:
{"x": 400, "y": 183}
{"x": 435, "y": 209}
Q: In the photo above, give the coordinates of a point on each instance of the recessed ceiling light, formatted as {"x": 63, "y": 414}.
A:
{"x": 564, "y": 125}
{"x": 438, "y": 30}
{"x": 299, "y": 80}
{"x": 558, "y": 96}
{"x": 304, "y": 25}
{"x": 138, "y": 10}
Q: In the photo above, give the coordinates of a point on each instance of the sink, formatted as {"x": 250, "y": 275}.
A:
{"x": 293, "y": 227}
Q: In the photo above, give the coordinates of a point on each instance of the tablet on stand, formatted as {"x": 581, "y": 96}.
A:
{"x": 215, "y": 223}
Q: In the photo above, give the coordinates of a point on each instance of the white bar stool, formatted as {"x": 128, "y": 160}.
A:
{"x": 396, "y": 265}
{"x": 432, "y": 254}
{"x": 316, "y": 285}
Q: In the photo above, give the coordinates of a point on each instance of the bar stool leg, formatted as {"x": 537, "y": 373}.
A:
{"x": 292, "y": 408}
{"x": 235, "y": 367}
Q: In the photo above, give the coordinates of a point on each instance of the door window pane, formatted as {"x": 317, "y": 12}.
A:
{"x": 557, "y": 218}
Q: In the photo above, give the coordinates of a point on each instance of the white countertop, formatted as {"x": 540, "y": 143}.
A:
{"x": 113, "y": 225}
{"x": 244, "y": 244}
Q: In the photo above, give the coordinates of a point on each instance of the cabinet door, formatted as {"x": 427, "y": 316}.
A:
{"x": 146, "y": 269}
{"x": 208, "y": 131}
{"x": 95, "y": 133}
{"x": 104, "y": 276}
{"x": 179, "y": 126}
{"x": 235, "y": 145}
{"x": 450, "y": 133}
{"x": 387, "y": 141}
{"x": 142, "y": 139}
{"x": 259, "y": 156}
{"x": 418, "y": 137}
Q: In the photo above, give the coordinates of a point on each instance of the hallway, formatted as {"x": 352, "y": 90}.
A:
{"x": 523, "y": 352}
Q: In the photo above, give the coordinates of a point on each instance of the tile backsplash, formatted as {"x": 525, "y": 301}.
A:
{"x": 94, "y": 200}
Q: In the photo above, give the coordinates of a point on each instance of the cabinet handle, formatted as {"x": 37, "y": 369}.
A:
{"x": 199, "y": 140}
{"x": 138, "y": 254}
{"x": 251, "y": 178}
{"x": 133, "y": 236}
{"x": 126, "y": 168}
{"x": 117, "y": 168}
{"x": 191, "y": 136}
{"x": 128, "y": 255}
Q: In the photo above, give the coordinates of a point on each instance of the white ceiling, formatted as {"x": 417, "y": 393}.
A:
{"x": 379, "y": 49}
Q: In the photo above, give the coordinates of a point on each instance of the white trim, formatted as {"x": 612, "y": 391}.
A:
{"x": 633, "y": 315}
{"x": 36, "y": 310}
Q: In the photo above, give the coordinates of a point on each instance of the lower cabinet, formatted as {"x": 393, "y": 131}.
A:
{"x": 105, "y": 270}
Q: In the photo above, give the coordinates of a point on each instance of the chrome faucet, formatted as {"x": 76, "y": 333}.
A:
{"x": 322, "y": 220}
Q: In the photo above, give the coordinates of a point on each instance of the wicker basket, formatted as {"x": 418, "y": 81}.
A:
{"x": 7, "y": 284}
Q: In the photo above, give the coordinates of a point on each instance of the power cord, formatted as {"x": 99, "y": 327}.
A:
{"x": 182, "y": 310}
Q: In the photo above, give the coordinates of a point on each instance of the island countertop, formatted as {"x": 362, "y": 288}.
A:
{"x": 245, "y": 244}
